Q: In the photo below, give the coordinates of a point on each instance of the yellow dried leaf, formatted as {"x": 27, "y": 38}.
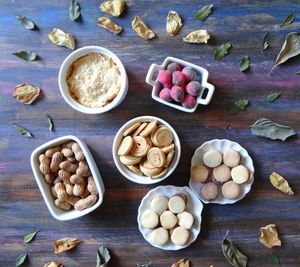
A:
{"x": 26, "y": 93}
{"x": 141, "y": 28}
{"x": 173, "y": 23}
{"x": 181, "y": 263}
{"x": 269, "y": 236}
{"x": 53, "y": 264}
{"x": 65, "y": 244}
{"x": 197, "y": 37}
{"x": 61, "y": 38}
{"x": 113, "y": 7}
{"x": 280, "y": 183}
{"x": 108, "y": 24}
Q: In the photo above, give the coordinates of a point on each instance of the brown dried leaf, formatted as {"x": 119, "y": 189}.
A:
{"x": 141, "y": 28}
{"x": 53, "y": 264}
{"x": 26, "y": 93}
{"x": 113, "y": 7}
{"x": 173, "y": 23}
{"x": 108, "y": 24}
{"x": 197, "y": 37}
{"x": 65, "y": 244}
{"x": 280, "y": 183}
{"x": 181, "y": 263}
{"x": 269, "y": 236}
{"x": 61, "y": 38}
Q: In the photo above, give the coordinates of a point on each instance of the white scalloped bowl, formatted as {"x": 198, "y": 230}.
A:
{"x": 194, "y": 205}
{"x": 222, "y": 145}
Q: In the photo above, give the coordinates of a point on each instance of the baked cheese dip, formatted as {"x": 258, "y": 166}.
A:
{"x": 94, "y": 80}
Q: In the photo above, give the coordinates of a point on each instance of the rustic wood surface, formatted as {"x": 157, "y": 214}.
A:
{"x": 243, "y": 23}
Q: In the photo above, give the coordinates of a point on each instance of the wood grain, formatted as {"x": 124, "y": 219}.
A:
{"x": 243, "y": 23}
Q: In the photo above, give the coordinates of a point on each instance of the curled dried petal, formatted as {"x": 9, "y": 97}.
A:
{"x": 113, "y": 7}
{"x": 61, "y": 38}
{"x": 269, "y": 236}
{"x": 141, "y": 28}
{"x": 197, "y": 37}
{"x": 173, "y": 23}
{"x": 181, "y": 263}
{"x": 108, "y": 24}
{"x": 280, "y": 183}
{"x": 53, "y": 264}
{"x": 26, "y": 93}
{"x": 65, "y": 244}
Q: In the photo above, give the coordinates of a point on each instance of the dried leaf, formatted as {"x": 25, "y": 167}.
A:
{"x": 108, "y": 24}
{"x": 280, "y": 183}
{"x": 26, "y": 93}
{"x": 265, "y": 42}
{"x": 181, "y": 263}
{"x": 197, "y": 37}
{"x": 29, "y": 236}
{"x": 273, "y": 97}
{"x": 26, "y": 55}
{"x": 22, "y": 130}
{"x": 141, "y": 28}
{"x": 238, "y": 106}
{"x": 298, "y": 72}
{"x": 21, "y": 259}
{"x": 113, "y": 7}
{"x": 65, "y": 244}
{"x": 244, "y": 63}
{"x": 61, "y": 38}
{"x": 290, "y": 48}
{"x": 26, "y": 22}
{"x": 234, "y": 256}
{"x": 222, "y": 51}
{"x": 269, "y": 236}
{"x": 103, "y": 257}
{"x": 48, "y": 122}
{"x": 53, "y": 264}
{"x": 204, "y": 12}
{"x": 174, "y": 23}
{"x": 275, "y": 258}
{"x": 74, "y": 10}
{"x": 288, "y": 20}
{"x": 269, "y": 129}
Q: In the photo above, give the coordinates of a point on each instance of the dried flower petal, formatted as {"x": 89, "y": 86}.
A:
{"x": 197, "y": 37}
{"x": 141, "y": 28}
{"x": 280, "y": 183}
{"x": 269, "y": 236}
{"x": 65, "y": 244}
{"x": 26, "y": 93}
{"x": 181, "y": 263}
{"x": 113, "y": 7}
{"x": 61, "y": 38}
{"x": 53, "y": 264}
{"x": 173, "y": 23}
{"x": 108, "y": 24}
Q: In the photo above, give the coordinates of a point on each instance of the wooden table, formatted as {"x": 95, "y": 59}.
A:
{"x": 114, "y": 224}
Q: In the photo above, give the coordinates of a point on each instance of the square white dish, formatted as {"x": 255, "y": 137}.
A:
{"x": 45, "y": 188}
{"x": 194, "y": 205}
{"x": 156, "y": 87}
{"x": 222, "y": 145}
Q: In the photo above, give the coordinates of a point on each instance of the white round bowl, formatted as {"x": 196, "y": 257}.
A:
{"x": 63, "y": 87}
{"x": 193, "y": 205}
{"x": 222, "y": 146}
{"x": 129, "y": 174}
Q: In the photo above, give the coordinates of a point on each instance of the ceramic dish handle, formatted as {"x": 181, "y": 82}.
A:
{"x": 209, "y": 95}
{"x": 149, "y": 78}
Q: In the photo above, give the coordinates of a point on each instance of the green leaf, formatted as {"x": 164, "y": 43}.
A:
{"x": 234, "y": 256}
{"x": 222, "y": 51}
{"x": 29, "y": 236}
{"x": 25, "y": 55}
{"x": 74, "y": 10}
{"x": 244, "y": 63}
{"x": 238, "y": 106}
{"x": 26, "y": 22}
{"x": 298, "y": 72}
{"x": 265, "y": 42}
{"x": 288, "y": 20}
{"x": 49, "y": 123}
{"x": 103, "y": 257}
{"x": 273, "y": 97}
{"x": 269, "y": 129}
{"x": 204, "y": 12}
{"x": 22, "y": 130}
{"x": 275, "y": 258}
{"x": 21, "y": 259}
